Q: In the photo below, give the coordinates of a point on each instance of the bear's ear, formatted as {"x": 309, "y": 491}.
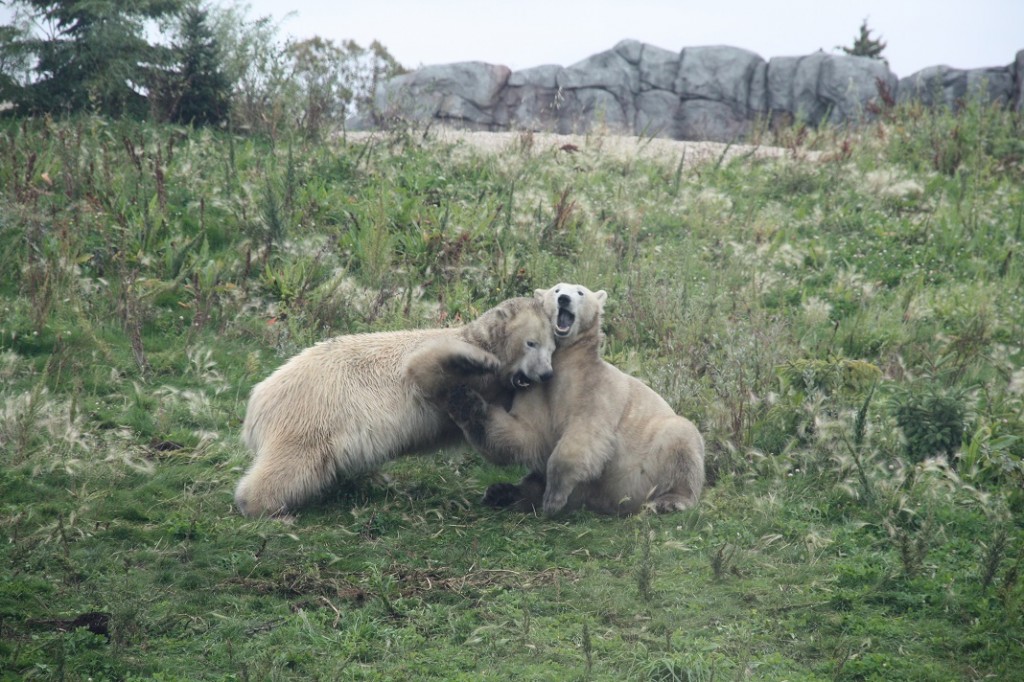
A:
{"x": 539, "y": 294}
{"x": 602, "y": 296}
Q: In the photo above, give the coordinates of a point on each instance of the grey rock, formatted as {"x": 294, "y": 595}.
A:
{"x": 933, "y": 85}
{"x": 463, "y": 91}
{"x": 608, "y": 70}
{"x": 630, "y": 50}
{"x": 657, "y": 114}
{"x": 994, "y": 84}
{"x": 537, "y": 76}
{"x": 703, "y": 119}
{"x": 658, "y": 69}
{"x": 823, "y": 88}
{"x": 757, "y": 103}
{"x": 949, "y": 87}
{"x": 530, "y": 101}
{"x": 700, "y": 93}
{"x": 719, "y": 73}
{"x": 850, "y": 85}
{"x": 722, "y": 91}
{"x": 1018, "y": 81}
{"x": 779, "y": 96}
{"x": 583, "y": 109}
{"x": 599, "y": 90}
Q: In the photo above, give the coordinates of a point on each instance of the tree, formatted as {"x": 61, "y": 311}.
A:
{"x": 864, "y": 45}
{"x": 336, "y": 80}
{"x": 15, "y": 62}
{"x": 310, "y": 84}
{"x": 195, "y": 90}
{"x": 89, "y": 55}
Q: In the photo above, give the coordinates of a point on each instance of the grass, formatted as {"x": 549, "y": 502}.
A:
{"x": 846, "y": 332}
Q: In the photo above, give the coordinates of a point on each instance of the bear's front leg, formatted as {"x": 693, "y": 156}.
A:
{"x": 472, "y": 361}
{"x": 500, "y": 436}
{"x": 580, "y": 456}
{"x": 435, "y": 366}
{"x": 557, "y": 492}
{"x": 468, "y": 410}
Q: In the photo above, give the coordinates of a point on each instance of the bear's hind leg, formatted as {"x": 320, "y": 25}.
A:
{"x": 682, "y": 451}
{"x": 278, "y": 484}
{"x": 670, "y": 502}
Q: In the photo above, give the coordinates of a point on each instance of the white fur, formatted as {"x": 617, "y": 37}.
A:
{"x": 593, "y": 436}
{"x": 349, "y": 404}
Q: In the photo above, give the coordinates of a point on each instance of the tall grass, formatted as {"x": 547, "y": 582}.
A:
{"x": 843, "y": 322}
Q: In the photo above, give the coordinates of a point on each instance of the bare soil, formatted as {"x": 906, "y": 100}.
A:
{"x": 624, "y": 147}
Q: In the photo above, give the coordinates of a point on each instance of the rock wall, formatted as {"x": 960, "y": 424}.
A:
{"x": 700, "y": 93}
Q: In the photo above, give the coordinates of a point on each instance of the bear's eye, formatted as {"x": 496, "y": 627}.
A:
{"x": 579, "y": 291}
{"x": 531, "y": 344}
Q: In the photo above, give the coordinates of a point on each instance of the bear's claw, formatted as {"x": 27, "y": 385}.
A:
{"x": 468, "y": 409}
{"x": 501, "y": 495}
{"x": 554, "y": 502}
{"x": 485, "y": 363}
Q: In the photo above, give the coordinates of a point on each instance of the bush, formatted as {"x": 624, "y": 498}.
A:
{"x": 932, "y": 421}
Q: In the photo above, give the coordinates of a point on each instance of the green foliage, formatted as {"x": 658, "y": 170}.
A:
{"x": 864, "y": 45}
{"x": 94, "y": 57}
{"x": 309, "y": 85}
{"x": 15, "y": 58}
{"x": 69, "y": 57}
{"x": 932, "y": 421}
{"x": 333, "y": 81}
{"x": 828, "y": 339}
{"x": 195, "y": 91}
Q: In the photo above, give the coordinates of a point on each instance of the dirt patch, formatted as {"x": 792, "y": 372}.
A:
{"x": 618, "y": 146}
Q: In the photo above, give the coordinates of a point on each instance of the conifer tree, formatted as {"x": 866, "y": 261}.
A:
{"x": 88, "y": 55}
{"x": 864, "y": 45}
{"x": 203, "y": 90}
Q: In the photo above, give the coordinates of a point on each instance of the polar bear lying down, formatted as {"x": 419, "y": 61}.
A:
{"x": 593, "y": 436}
{"x": 349, "y": 404}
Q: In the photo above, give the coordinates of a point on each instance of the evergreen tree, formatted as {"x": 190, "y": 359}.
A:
{"x": 864, "y": 45}
{"x": 203, "y": 89}
{"x": 91, "y": 56}
{"x": 15, "y": 61}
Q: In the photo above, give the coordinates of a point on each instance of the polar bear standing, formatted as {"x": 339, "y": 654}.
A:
{"x": 349, "y": 404}
{"x": 593, "y": 436}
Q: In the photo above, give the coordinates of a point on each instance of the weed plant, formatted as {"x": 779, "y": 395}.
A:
{"x": 844, "y": 323}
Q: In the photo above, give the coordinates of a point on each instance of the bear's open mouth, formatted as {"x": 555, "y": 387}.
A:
{"x": 520, "y": 380}
{"x": 563, "y": 324}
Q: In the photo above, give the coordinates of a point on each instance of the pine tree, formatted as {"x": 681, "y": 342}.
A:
{"x": 203, "y": 90}
{"x": 91, "y": 56}
{"x": 864, "y": 45}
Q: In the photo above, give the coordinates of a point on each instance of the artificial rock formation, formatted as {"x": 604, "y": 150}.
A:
{"x": 700, "y": 93}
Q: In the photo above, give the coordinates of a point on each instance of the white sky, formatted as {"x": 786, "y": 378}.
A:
{"x": 525, "y": 33}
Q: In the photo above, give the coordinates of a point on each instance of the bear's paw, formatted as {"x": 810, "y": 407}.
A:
{"x": 501, "y": 495}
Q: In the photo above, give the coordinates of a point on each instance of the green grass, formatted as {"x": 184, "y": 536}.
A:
{"x": 845, "y": 330}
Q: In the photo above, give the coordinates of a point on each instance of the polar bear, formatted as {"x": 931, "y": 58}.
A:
{"x": 593, "y": 436}
{"x": 349, "y": 404}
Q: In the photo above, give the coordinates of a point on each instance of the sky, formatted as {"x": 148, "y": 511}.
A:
{"x": 526, "y": 33}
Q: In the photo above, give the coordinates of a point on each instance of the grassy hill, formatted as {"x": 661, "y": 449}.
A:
{"x": 845, "y": 327}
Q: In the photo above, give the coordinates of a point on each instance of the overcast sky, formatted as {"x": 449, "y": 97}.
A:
{"x": 525, "y": 33}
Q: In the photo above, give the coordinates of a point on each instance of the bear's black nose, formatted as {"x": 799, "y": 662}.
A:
{"x": 546, "y": 376}
{"x": 563, "y": 301}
